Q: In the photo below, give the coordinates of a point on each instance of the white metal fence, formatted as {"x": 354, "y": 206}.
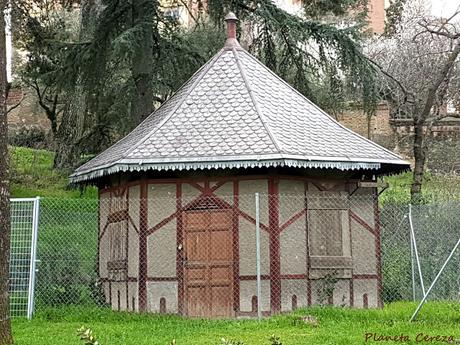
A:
{"x": 91, "y": 253}
{"x": 24, "y": 228}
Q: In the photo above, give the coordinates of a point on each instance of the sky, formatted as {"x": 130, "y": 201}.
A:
{"x": 444, "y": 8}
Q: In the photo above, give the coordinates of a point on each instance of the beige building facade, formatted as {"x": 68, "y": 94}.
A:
{"x": 293, "y": 268}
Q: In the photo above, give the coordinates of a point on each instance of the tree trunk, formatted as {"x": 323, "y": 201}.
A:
{"x": 420, "y": 120}
{"x": 369, "y": 125}
{"x": 142, "y": 64}
{"x": 420, "y": 158}
{"x": 5, "y": 226}
{"x": 71, "y": 129}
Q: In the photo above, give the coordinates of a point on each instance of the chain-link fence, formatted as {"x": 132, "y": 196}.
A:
{"x": 203, "y": 256}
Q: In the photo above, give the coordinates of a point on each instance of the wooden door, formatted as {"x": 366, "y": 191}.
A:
{"x": 208, "y": 263}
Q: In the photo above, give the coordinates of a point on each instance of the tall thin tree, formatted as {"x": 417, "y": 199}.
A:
{"x": 5, "y": 230}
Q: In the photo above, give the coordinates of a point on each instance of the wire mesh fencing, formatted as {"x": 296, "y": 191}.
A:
{"x": 24, "y": 226}
{"x": 213, "y": 255}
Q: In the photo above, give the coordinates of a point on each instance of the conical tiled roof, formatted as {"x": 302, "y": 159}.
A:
{"x": 235, "y": 113}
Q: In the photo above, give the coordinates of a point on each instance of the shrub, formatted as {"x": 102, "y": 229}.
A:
{"x": 32, "y": 137}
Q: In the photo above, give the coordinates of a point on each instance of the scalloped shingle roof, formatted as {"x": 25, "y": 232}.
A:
{"x": 235, "y": 112}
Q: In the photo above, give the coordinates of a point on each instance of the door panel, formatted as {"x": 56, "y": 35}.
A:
{"x": 195, "y": 296}
{"x": 208, "y": 265}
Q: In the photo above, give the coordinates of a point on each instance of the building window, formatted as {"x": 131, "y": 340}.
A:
{"x": 328, "y": 231}
{"x": 325, "y": 233}
{"x": 117, "y": 265}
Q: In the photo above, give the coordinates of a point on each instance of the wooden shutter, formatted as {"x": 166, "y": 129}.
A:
{"x": 325, "y": 232}
{"x": 328, "y": 229}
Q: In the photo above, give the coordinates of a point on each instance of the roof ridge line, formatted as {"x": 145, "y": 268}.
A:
{"x": 253, "y": 99}
{"x": 321, "y": 110}
{"x": 168, "y": 117}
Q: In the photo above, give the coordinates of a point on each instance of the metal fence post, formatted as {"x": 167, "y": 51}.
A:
{"x": 435, "y": 280}
{"x": 259, "y": 288}
{"x": 414, "y": 242}
{"x": 33, "y": 258}
{"x": 412, "y": 266}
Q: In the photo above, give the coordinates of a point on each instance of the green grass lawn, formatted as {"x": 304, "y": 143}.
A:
{"x": 335, "y": 326}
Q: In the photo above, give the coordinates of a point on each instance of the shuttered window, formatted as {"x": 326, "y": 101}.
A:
{"x": 117, "y": 240}
{"x": 328, "y": 230}
{"x": 325, "y": 232}
{"x": 117, "y": 265}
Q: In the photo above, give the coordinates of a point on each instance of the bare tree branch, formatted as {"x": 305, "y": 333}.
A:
{"x": 10, "y": 109}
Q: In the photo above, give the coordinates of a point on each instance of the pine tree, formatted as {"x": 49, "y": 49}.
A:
{"x": 137, "y": 57}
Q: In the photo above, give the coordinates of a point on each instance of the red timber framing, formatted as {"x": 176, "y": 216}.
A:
{"x": 307, "y": 243}
{"x": 236, "y": 249}
{"x": 274, "y": 240}
{"x": 352, "y": 286}
{"x": 179, "y": 253}
{"x": 143, "y": 260}
{"x": 273, "y": 228}
{"x": 375, "y": 196}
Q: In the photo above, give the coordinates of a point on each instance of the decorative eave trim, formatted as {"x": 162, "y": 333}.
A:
{"x": 124, "y": 166}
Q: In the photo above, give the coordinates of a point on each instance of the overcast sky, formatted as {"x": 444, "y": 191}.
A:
{"x": 444, "y": 8}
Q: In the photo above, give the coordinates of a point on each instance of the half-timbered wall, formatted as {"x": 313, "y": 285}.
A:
{"x": 119, "y": 245}
{"x": 149, "y": 275}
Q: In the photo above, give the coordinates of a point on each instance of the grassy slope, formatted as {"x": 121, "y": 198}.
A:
{"x": 336, "y": 326}
{"x": 435, "y": 187}
{"x": 32, "y": 175}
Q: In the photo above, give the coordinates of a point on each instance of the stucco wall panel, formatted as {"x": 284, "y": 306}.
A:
{"x": 365, "y": 286}
{"x": 189, "y": 192}
{"x": 225, "y": 192}
{"x": 293, "y": 287}
{"x": 341, "y": 296}
{"x": 104, "y": 254}
{"x": 291, "y": 200}
{"x": 134, "y": 204}
{"x": 133, "y": 251}
{"x": 119, "y": 296}
{"x": 106, "y": 288}
{"x": 161, "y": 202}
{"x": 161, "y": 251}
{"x": 362, "y": 204}
{"x": 315, "y": 285}
{"x": 293, "y": 248}
{"x": 332, "y": 185}
{"x": 248, "y": 289}
{"x": 363, "y": 249}
{"x": 158, "y": 290}
{"x": 132, "y": 296}
{"x": 104, "y": 209}
{"x": 247, "y": 190}
{"x": 247, "y": 249}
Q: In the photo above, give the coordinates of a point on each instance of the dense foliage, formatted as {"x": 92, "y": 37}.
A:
{"x": 100, "y": 67}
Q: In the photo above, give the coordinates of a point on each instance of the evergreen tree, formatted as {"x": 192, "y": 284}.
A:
{"x": 137, "y": 57}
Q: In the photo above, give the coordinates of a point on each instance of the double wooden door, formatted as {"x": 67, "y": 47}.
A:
{"x": 208, "y": 263}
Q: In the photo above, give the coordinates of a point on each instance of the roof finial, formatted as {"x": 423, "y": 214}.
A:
{"x": 231, "y": 20}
